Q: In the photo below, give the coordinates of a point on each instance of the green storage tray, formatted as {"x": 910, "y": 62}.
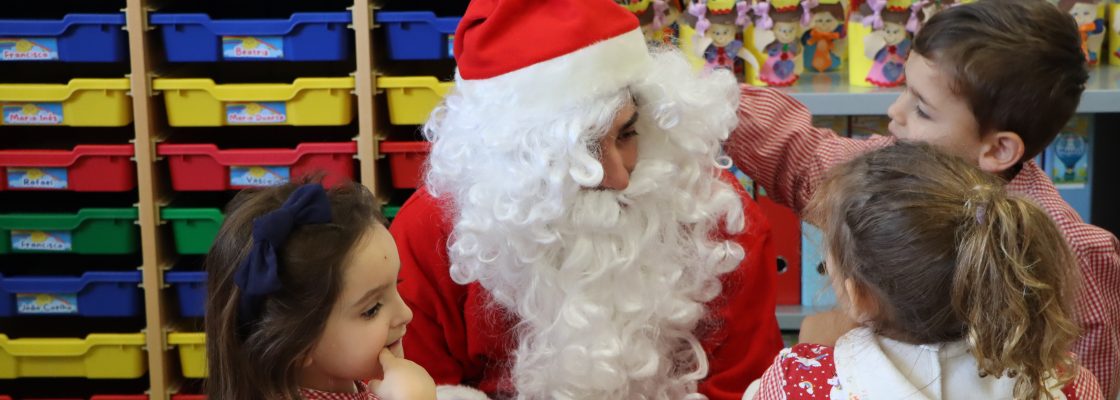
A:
{"x": 390, "y": 212}
{"x": 194, "y": 228}
{"x": 89, "y": 231}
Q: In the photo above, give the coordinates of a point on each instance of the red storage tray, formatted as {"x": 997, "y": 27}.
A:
{"x": 86, "y": 168}
{"x": 203, "y": 167}
{"x": 787, "y": 242}
{"x": 406, "y": 162}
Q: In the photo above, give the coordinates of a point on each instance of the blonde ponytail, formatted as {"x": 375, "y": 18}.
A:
{"x": 1012, "y": 289}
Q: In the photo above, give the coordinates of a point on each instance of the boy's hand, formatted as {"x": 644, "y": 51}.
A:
{"x": 826, "y": 327}
{"x": 402, "y": 379}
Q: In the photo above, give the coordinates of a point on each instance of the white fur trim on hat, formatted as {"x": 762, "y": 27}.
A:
{"x": 602, "y": 68}
{"x": 450, "y": 392}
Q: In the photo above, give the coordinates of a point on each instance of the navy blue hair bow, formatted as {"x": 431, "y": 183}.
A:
{"x": 258, "y": 275}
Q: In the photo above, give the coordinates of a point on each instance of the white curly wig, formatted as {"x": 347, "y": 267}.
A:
{"x": 608, "y": 286}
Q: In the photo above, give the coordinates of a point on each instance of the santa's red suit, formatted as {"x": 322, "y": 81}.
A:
{"x": 460, "y": 337}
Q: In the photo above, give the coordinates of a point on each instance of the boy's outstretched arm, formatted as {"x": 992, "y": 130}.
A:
{"x": 776, "y": 144}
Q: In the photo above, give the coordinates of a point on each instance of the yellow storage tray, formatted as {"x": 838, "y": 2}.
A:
{"x": 81, "y": 102}
{"x": 98, "y": 356}
{"x": 412, "y": 98}
{"x": 192, "y": 353}
{"x": 305, "y": 101}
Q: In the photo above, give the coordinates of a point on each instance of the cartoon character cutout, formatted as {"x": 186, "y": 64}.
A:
{"x": 824, "y": 34}
{"x": 778, "y": 34}
{"x": 893, "y": 23}
{"x": 1088, "y": 24}
{"x": 659, "y": 19}
{"x": 719, "y": 25}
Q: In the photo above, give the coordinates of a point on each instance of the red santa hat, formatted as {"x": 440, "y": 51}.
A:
{"x": 555, "y": 52}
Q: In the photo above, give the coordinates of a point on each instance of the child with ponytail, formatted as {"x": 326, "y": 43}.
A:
{"x": 961, "y": 290}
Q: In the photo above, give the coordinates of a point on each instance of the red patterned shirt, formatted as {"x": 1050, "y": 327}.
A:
{"x": 808, "y": 372}
{"x": 363, "y": 393}
{"x": 776, "y": 145}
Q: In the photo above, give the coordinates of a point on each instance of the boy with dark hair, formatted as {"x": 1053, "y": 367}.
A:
{"x": 993, "y": 82}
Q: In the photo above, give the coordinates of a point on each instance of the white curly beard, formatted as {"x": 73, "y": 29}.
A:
{"x": 608, "y": 286}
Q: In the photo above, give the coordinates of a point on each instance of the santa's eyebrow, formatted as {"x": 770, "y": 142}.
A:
{"x": 630, "y": 124}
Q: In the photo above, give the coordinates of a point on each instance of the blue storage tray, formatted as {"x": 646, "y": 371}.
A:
{"x": 74, "y": 38}
{"x": 419, "y": 35}
{"x": 303, "y": 37}
{"x": 94, "y": 294}
{"x": 190, "y": 288}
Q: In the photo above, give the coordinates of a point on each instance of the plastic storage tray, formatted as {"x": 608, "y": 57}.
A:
{"x": 86, "y": 168}
{"x": 203, "y": 167}
{"x": 419, "y": 35}
{"x": 190, "y": 289}
{"x": 89, "y": 231}
{"x": 305, "y": 101}
{"x": 97, "y": 356}
{"x": 406, "y": 161}
{"x": 74, "y": 38}
{"x": 412, "y": 98}
{"x": 390, "y": 211}
{"x": 192, "y": 352}
{"x": 194, "y": 228}
{"x": 81, "y": 102}
{"x": 94, "y": 294}
{"x": 302, "y": 37}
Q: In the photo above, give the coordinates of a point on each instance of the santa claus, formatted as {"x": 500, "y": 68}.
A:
{"x": 578, "y": 237}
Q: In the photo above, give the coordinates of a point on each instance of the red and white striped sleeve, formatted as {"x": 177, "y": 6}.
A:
{"x": 777, "y": 145}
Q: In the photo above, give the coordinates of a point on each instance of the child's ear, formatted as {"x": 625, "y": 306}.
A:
{"x": 862, "y": 308}
{"x": 999, "y": 151}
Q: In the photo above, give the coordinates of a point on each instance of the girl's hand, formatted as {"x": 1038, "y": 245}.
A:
{"x": 403, "y": 379}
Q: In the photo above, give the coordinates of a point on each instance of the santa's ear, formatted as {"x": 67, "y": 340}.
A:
{"x": 451, "y": 392}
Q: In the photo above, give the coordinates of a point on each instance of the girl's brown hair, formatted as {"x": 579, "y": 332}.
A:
{"x": 942, "y": 253}
{"x": 262, "y": 360}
